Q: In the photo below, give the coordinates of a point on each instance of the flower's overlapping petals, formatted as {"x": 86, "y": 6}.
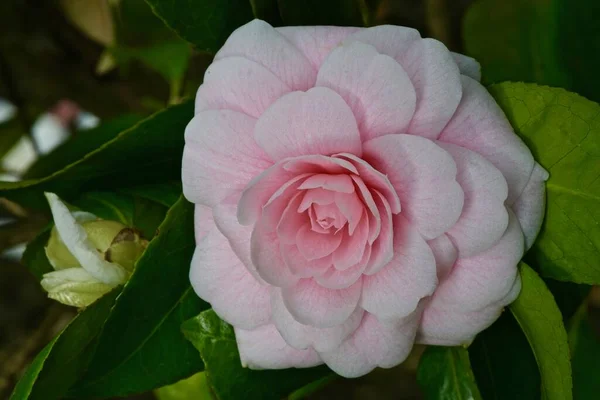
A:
{"x": 302, "y": 336}
{"x": 413, "y": 262}
{"x": 306, "y": 123}
{"x": 238, "y": 84}
{"x": 480, "y": 125}
{"x": 220, "y": 156}
{"x": 484, "y": 217}
{"x": 424, "y": 175}
{"x": 527, "y": 206}
{"x": 264, "y": 348}
{"x": 375, "y": 86}
{"x": 468, "y": 66}
{"x": 260, "y": 42}
{"x": 445, "y": 254}
{"x": 219, "y": 277}
{"x": 373, "y": 344}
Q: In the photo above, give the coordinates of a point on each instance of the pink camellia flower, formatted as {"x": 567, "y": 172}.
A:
{"x": 357, "y": 191}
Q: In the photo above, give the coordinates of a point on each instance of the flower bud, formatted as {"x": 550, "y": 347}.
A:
{"x": 90, "y": 256}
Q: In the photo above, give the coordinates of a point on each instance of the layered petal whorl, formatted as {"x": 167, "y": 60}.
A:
{"x": 356, "y": 190}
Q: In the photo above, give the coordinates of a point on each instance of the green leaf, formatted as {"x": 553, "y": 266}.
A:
{"x": 34, "y": 256}
{"x": 215, "y": 340}
{"x": 108, "y": 205}
{"x": 494, "y": 366}
{"x": 515, "y": 40}
{"x": 195, "y": 387}
{"x": 163, "y": 193}
{"x": 149, "y": 152}
{"x": 585, "y": 349}
{"x": 267, "y": 10}
{"x": 141, "y": 346}
{"x": 568, "y": 296}
{"x": 66, "y": 357}
{"x": 79, "y": 145}
{"x": 10, "y": 133}
{"x": 541, "y": 321}
{"x": 445, "y": 373}
{"x": 562, "y": 130}
{"x": 318, "y": 12}
{"x": 204, "y": 23}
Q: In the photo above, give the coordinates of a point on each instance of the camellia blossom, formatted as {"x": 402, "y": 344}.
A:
{"x": 357, "y": 191}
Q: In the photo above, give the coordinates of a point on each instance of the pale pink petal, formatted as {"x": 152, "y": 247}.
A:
{"x": 225, "y": 218}
{"x": 485, "y": 278}
{"x": 258, "y": 192}
{"x": 480, "y": 125}
{"x": 316, "y": 196}
{"x": 374, "y": 85}
{"x": 527, "y": 207}
{"x": 300, "y": 266}
{"x": 238, "y": 84}
{"x": 316, "y": 42}
{"x": 203, "y": 221}
{"x": 373, "y": 213}
{"x": 395, "y": 291}
{"x": 436, "y": 79}
{"x": 265, "y": 251}
{"x": 484, "y": 217}
{"x": 373, "y": 344}
{"x": 324, "y": 217}
{"x": 391, "y": 40}
{"x": 264, "y": 348}
{"x": 336, "y": 279}
{"x": 375, "y": 180}
{"x": 336, "y": 183}
{"x": 291, "y": 221}
{"x": 445, "y": 254}
{"x": 313, "y": 245}
{"x": 306, "y": 123}
{"x": 312, "y": 304}
{"x": 467, "y": 66}
{"x": 219, "y": 277}
{"x": 352, "y": 247}
{"x": 383, "y": 248}
{"x": 220, "y": 156}
{"x": 318, "y": 163}
{"x": 455, "y": 327}
{"x": 259, "y": 42}
{"x": 424, "y": 175}
{"x": 351, "y": 208}
{"x": 302, "y": 336}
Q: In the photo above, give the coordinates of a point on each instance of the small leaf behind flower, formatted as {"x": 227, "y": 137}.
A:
{"x": 215, "y": 340}
{"x": 445, "y": 373}
{"x": 540, "y": 319}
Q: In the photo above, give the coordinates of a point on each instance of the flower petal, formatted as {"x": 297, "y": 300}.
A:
{"x": 313, "y": 245}
{"x": 259, "y": 42}
{"x": 220, "y": 156}
{"x": 333, "y": 278}
{"x": 484, "y": 217}
{"x": 480, "y": 125}
{"x": 395, "y": 291}
{"x": 352, "y": 247}
{"x": 383, "y": 248}
{"x": 527, "y": 206}
{"x": 467, "y": 66}
{"x": 373, "y": 344}
{"x": 388, "y": 39}
{"x": 424, "y": 175}
{"x": 264, "y": 348}
{"x": 312, "y": 304}
{"x": 302, "y": 336}
{"x": 238, "y": 84}
{"x": 219, "y": 277}
{"x": 306, "y": 123}
{"x": 445, "y": 254}
{"x": 374, "y": 85}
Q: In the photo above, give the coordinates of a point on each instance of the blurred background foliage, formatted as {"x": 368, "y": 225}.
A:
{"x": 113, "y": 62}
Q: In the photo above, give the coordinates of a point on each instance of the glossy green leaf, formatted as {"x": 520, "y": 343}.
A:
{"x": 195, "y": 387}
{"x": 10, "y": 133}
{"x": 494, "y": 366}
{"x": 445, "y": 373}
{"x": 584, "y": 340}
{"x": 515, "y": 40}
{"x": 79, "y": 145}
{"x": 318, "y": 12}
{"x": 141, "y": 346}
{"x": 215, "y": 340}
{"x": 107, "y": 205}
{"x": 540, "y": 319}
{"x": 562, "y": 130}
{"x": 163, "y": 193}
{"x": 204, "y": 23}
{"x": 34, "y": 257}
{"x": 148, "y": 152}
{"x": 568, "y": 296}
{"x": 65, "y": 358}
